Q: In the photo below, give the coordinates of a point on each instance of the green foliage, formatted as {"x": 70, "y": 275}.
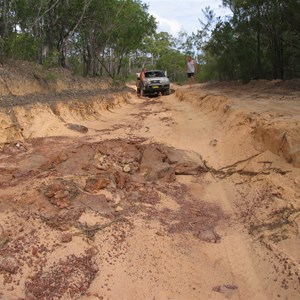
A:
{"x": 116, "y": 38}
{"x": 77, "y": 65}
{"x": 97, "y": 36}
{"x": 208, "y": 68}
{"x": 51, "y": 59}
{"x": 262, "y": 36}
{"x": 159, "y": 51}
{"x": 45, "y": 74}
{"x": 173, "y": 62}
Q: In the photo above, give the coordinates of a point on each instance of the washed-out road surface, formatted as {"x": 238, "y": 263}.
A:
{"x": 191, "y": 196}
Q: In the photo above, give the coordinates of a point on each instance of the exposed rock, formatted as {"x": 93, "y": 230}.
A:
{"x": 61, "y": 193}
{"x": 100, "y": 162}
{"x": 66, "y": 237}
{"x": 89, "y": 298}
{"x": 76, "y": 127}
{"x": 4, "y": 237}
{"x": 209, "y": 236}
{"x": 98, "y": 203}
{"x": 61, "y": 158}
{"x": 119, "y": 209}
{"x": 188, "y": 168}
{"x": 174, "y": 155}
{"x": 213, "y": 142}
{"x": 9, "y": 264}
{"x": 126, "y": 169}
{"x": 227, "y": 290}
{"x": 95, "y": 184}
{"x": 152, "y": 154}
{"x": 121, "y": 150}
{"x": 121, "y": 179}
{"x": 154, "y": 168}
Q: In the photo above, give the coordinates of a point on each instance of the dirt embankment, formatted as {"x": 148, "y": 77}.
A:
{"x": 107, "y": 196}
{"x": 39, "y": 103}
{"x": 268, "y": 112}
{"x": 29, "y": 94}
{"x": 253, "y": 134}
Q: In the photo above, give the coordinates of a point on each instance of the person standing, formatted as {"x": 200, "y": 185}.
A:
{"x": 191, "y": 67}
{"x": 142, "y": 79}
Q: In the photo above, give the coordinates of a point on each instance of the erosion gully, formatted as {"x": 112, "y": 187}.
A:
{"x": 151, "y": 199}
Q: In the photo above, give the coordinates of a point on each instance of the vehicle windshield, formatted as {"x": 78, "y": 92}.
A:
{"x": 152, "y": 74}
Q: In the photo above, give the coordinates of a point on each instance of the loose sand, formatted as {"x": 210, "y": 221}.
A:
{"x": 189, "y": 196}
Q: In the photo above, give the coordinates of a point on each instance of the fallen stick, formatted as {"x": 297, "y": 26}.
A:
{"x": 240, "y": 161}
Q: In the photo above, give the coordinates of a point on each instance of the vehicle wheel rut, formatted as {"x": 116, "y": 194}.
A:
{"x": 129, "y": 209}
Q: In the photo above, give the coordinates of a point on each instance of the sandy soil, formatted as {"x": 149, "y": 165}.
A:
{"x": 189, "y": 196}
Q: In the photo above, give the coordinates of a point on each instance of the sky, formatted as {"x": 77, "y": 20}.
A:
{"x": 174, "y": 16}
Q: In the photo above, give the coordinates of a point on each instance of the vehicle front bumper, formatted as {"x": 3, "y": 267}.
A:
{"x": 156, "y": 88}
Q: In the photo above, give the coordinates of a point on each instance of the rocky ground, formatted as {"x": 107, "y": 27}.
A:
{"x": 108, "y": 196}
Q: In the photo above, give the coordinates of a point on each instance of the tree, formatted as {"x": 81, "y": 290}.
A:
{"x": 156, "y": 45}
{"x": 132, "y": 25}
{"x": 111, "y": 42}
{"x": 273, "y": 26}
{"x": 7, "y": 26}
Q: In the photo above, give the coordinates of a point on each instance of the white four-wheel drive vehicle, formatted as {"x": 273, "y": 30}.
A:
{"x": 156, "y": 82}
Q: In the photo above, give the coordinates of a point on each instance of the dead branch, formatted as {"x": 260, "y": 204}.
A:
{"x": 240, "y": 161}
{"x": 230, "y": 169}
{"x": 90, "y": 231}
{"x": 283, "y": 141}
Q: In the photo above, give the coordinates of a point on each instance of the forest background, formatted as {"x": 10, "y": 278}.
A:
{"x": 115, "y": 38}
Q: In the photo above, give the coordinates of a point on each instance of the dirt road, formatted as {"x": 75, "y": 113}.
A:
{"x": 189, "y": 196}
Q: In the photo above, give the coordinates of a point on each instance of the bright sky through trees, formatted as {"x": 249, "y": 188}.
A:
{"x": 182, "y": 15}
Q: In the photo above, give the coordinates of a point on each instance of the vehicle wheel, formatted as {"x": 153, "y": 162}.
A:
{"x": 167, "y": 92}
{"x": 138, "y": 91}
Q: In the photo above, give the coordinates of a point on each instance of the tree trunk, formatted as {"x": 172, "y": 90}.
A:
{"x": 62, "y": 54}
{"x": 3, "y": 26}
{"x": 258, "y": 49}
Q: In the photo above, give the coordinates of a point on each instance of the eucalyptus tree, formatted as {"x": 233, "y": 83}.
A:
{"x": 273, "y": 26}
{"x": 114, "y": 30}
{"x": 133, "y": 24}
{"x": 102, "y": 32}
{"x": 7, "y": 26}
{"x": 163, "y": 50}
{"x": 67, "y": 17}
{"x": 187, "y": 44}
{"x": 49, "y": 25}
{"x": 291, "y": 15}
{"x": 156, "y": 45}
{"x": 4, "y": 16}
{"x": 222, "y": 45}
{"x": 263, "y": 21}
{"x": 173, "y": 62}
{"x": 95, "y": 34}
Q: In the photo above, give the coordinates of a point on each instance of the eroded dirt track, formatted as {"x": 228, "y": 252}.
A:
{"x": 176, "y": 197}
